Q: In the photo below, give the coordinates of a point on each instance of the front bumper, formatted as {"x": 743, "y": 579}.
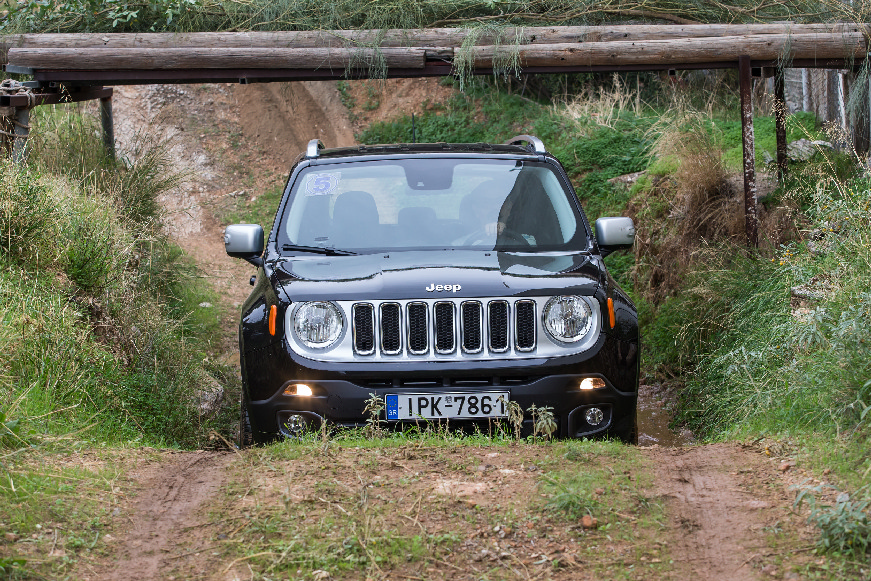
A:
{"x": 341, "y": 402}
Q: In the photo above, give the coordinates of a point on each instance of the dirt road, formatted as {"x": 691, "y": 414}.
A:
{"x": 696, "y": 512}
{"x": 190, "y": 515}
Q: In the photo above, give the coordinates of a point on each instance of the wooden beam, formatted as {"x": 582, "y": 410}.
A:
{"x": 679, "y": 51}
{"x": 216, "y": 58}
{"x": 446, "y": 37}
{"x": 617, "y": 53}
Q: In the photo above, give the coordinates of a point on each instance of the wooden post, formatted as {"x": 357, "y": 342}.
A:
{"x": 751, "y": 221}
{"x": 108, "y": 126}
{"x": 21, "y": 129}
{"x": 780, "y": 123}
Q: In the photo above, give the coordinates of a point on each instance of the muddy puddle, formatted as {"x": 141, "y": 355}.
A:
{"x": 654, "y": 417}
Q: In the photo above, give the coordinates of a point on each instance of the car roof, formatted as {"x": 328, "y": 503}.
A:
{"x": 413, "y": 148}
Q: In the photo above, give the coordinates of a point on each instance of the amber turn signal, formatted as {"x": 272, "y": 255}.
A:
{"x": 298, "y": 389}
{"x": 273, "y": 314}
{"x": 592, "y": 383}
{"x": 611, "y": 318}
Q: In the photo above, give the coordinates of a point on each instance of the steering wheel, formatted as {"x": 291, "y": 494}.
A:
{"x": 512, "y": 236}
{"x": 481, "y": 237}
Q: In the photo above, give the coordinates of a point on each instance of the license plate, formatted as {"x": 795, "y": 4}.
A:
{"x": 432, "y": 406}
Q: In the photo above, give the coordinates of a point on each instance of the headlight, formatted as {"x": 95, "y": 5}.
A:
{"x": 318, "y": 324}
{"x": 567, "y": 319}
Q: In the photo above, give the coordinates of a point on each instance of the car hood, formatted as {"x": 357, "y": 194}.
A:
{"x": 428, "y": 274}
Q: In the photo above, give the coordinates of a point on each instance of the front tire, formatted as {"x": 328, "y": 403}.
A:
{"x": 246, "y": 435}
{"x": 628, "y": 431}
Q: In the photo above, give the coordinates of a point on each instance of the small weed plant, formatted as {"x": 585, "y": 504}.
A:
{"x": 375, "y": 406}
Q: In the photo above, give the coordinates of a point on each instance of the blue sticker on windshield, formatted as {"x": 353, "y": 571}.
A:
{"x": 322, "y": 184}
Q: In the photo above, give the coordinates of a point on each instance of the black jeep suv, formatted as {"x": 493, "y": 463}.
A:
{"x": 446, "y": 279}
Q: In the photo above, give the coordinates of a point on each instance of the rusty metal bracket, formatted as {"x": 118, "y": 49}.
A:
{"x": 58, "y": 95}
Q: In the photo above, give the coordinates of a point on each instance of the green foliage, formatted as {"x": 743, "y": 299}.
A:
{"x": 68, "y": 144}
{"x": 575, "y": 497}
{"x": 800, "y": 125}
{"x": 766, "y": 363}
{"x": 10, "y": 432}
{"x": 258, "y": 211}
{"x": 12, "y": 566}
{"x": 845, "y": 526}
{"x": 89, "y": 258}
{"x": 97, "y": 334}
{"x": 27, "y": 211}
{"x": 206, "y": 15}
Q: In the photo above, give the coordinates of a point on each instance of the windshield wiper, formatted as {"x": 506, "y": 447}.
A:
{"x": 328, "y": 250}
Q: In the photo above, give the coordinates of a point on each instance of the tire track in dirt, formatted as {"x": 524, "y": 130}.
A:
{"x": 716, "y": 515}
{"x": 171, "y": 495}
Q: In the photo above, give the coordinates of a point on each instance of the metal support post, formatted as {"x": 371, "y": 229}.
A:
{"x": 108, "y": 126}
{"x": 751, "y": 220}
{"x": 780, "y": 123}
{"x": 21, "y": 129}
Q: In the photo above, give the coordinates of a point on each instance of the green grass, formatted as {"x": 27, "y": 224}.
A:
{"x": 335, "y": 505}
{"x": 102, "y": 335}
{"x": 766, "y": 363}
{"x": 260, "y": 211}
{"x": 800, "y": 125}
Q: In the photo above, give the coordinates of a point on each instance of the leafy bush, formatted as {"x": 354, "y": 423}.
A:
{"x": 845, "y": 526}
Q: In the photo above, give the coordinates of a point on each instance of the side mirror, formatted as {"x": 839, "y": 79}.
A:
{"x": 614, "y": 234}
{"x": 244, "y": 241}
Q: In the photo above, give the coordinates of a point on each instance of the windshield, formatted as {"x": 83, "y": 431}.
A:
{"x": 430, "y": 203}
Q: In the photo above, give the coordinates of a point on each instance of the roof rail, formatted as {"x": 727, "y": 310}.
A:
{"x": 313, "y": 149}
{"x": 535, "y": 142}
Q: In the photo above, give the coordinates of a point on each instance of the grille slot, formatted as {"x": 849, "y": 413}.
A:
{"x": 443, "y": 315}
{"x": 472, "y": 329}
{"x": 364, "y": 329}
{"x": 418, "y": 341}
{"x": 524, "y": 325}
{"x": 498, "y": 319}
{"x": 391, "y": 329}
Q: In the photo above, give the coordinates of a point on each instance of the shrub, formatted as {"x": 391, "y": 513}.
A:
{"x": 845, "y": 525}
{"x": 27, "y": 224}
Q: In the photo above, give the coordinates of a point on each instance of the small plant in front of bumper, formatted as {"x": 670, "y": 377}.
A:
{"x": 515, "y": 416}
{"x": 374, "y": 406}
{"x": 543, "y": 421}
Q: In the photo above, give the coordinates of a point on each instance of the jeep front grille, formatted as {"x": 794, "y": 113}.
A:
{"x": 445, "y": 329}
{"x": 425, "y": 327}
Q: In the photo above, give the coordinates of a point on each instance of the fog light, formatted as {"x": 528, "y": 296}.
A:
{"x": 594, "y": 416}
{"x": 297, "y": 389}
{"x": 592, "y": 383}
{"x": 295, "y": 425}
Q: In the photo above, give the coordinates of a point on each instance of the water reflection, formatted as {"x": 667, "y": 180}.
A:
{"x": 653, "y": 419}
